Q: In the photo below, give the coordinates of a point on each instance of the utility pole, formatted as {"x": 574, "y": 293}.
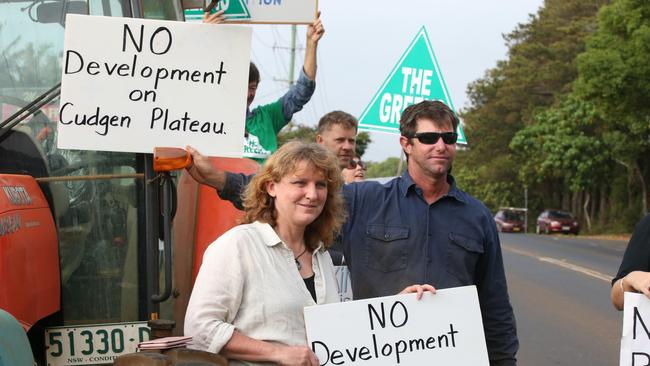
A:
{"x": 526, "y": 207}
{"x": 292, "y": 59}
{"x": 292, "y": 62}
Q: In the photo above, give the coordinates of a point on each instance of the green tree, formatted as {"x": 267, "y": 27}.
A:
{"x": 615, "y": 77}
{"x": 565, "y": 145}
{"x": 386, "y": 168}
{"x": 537, "y": 75}
{"x": 363, "y": 140}
{"x": 296, "y": 131}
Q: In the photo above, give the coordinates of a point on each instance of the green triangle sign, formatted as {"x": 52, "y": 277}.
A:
{"x": 235, "y": 9}
{"x": 415, "y": 77}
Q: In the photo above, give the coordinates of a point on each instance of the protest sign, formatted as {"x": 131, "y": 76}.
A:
{"x": 132, "y": 84}
{"x": 264, "y": 11}
{"x": 415, "y": 77}
{"x": 635, "y": 340}
{"x": 441, "y": 329}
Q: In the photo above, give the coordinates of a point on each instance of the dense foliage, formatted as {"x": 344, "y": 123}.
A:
{"x": 567, "y": 116}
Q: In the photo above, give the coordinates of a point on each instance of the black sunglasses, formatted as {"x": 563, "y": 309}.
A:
{"x": 430, "y": 138}
{"x": 354, "y": 163}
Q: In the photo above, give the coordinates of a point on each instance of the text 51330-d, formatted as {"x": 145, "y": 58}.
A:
{"x": 94, "y": 344}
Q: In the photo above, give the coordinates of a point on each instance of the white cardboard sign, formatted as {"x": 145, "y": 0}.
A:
{"x": 132, "y": 84}
{"x": 635, "y": 340}
{"x": 441, "y": 329}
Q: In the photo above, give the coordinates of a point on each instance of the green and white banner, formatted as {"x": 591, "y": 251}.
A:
{"x": 415, "y": 77}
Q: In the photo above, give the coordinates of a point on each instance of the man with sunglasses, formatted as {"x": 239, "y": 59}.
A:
{"x": 421, "y": 228}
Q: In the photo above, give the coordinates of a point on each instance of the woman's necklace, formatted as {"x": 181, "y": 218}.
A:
{"x": 296, "y": 259}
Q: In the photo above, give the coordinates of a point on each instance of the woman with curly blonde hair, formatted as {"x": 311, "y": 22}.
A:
{"x": 248, "y": 299}
{"x": 259, "y": 203}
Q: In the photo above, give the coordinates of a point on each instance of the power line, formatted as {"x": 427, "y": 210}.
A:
{"x": 260, "y": 40}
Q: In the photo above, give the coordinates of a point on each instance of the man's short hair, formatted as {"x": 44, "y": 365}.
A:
{"x": 346, "y": 120}
{"x": 253, "y": 74}
{"x": 434, "y": 110}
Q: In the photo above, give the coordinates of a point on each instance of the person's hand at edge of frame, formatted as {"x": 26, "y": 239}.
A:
{"x": 639, "y": 281}
{"x": 419, "y": 289}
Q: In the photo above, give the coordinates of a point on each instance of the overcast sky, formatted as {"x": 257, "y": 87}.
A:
{"x": 364, "y": 40}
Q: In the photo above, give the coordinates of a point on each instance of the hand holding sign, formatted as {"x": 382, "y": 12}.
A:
{"x": 315, "y": 30}
{"x": 419, "y": 290}
{"x": 638, "y": 281}
{"x": 215, "y": 18}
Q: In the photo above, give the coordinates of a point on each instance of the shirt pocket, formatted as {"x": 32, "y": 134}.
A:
{"x": 386, "y": 247}
{"x": 463, "y": 252}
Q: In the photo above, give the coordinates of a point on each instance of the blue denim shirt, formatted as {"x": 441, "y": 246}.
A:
{"x": 393, "y": 238}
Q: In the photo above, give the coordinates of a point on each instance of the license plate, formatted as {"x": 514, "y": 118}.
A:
{"x": 92, "y": 344}
{"x": 566, "y": 228}
{"x": 515, "y": 229}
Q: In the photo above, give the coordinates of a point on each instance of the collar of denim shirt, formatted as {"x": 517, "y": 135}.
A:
{"x": 406, "y": 183}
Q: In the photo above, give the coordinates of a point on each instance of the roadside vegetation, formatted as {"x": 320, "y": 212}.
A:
{"x": 566, "y": 116}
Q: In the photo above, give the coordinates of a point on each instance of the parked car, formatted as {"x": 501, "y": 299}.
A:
{"x": 510, "y": 219}
{"x": 556, "y": 221}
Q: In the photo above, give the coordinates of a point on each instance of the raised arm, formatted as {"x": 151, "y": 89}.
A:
{"x": 300, "y": 93}
{"x": 315, "y": 32}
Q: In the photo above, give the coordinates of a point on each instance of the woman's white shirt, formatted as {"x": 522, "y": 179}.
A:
{"x": 249, "y": 281}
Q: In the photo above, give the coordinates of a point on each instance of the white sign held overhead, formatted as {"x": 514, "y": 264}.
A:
{"x": 441, "y": 329}
{"x": 282, "y": 11}
{"x": 263, "y": 11}
{"x": 132, "y": 84}
{"x": 635, "y": 341}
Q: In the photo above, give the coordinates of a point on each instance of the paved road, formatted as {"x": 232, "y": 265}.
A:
{"x": 559, "y": 287}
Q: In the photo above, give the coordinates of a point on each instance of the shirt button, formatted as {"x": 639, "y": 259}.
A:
{"x": 386, "y": 236}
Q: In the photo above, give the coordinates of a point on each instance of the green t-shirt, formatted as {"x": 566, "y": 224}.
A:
{"x": 262, "y": 129}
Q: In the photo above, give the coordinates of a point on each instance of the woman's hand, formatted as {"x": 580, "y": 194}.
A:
{"x": 639, "y": 281}
{"x": 295, "y": 356}
{"x": 419, "y": 289}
